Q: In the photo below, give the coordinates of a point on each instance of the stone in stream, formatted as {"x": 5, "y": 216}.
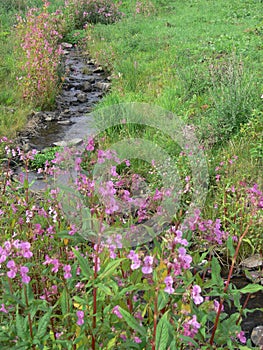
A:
{"x": 103, "y": 86}
{"x": 257, "y": 336}
{"x": 86, "y": 87}
{"x": 252, "y": 262}
{"x": 65, "y": 122}
{"x": 82, "y": 97}
{"x": 98, "y": 70}
{"x": 73, "y": 142}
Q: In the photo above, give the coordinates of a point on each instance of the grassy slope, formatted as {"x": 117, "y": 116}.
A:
{"x": 201, "y": 60}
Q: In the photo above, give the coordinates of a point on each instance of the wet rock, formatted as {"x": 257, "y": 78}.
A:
{"x": 91, "y": 79}
{"x": 252, "y": 262}
{"x": 82, "y": 97}
{"x": 103, "y": 86}
{"x": 65, "y": 122}
{"x": 66, "y": 45}
{"x": 98, "y": 70}
{"x": 86, "y": 87}
{"x": 73, "y": 142}
{"x": 257, "y": 336}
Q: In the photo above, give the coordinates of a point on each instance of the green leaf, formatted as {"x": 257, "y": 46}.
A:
{"x": 110, "y": 268}
{"x": 187, "y": 340}
{"x": 42, "y": 325}
{"x": 105, "y": 289}
{"x": 230, "y": 246}
{"x": 216, "y": 270}
{"x": 251, "y": 288}
{"x": 163, "y": 299}
{"x": 85, "y": 268}
{"x": 63, "y": 302}
{"x": 20, "y": 326}
{"x": 162, "y": 333}
{"x": 131, "y": 321}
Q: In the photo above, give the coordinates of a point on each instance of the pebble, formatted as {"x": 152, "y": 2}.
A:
{"x": 72, "y": 142}
{"x": 257, "y": 336}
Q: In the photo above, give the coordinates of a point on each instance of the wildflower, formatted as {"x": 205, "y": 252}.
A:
{"x": 113, "y": 171}
{"x": 25, "y": 249}
{"x": 3, "y": 309}
{"x": 13, "y": 269}
{"x": 148, "y": 261}
{"x": 191, "y": 327}
{"x": 216, "y": 306}
{"x": 25, "y": 278}
{"x": 116, "y": 311}
{"x": 80, "y": 316}
{"x": 67, "y": 269}
{"x": 123, "y": 336}
{"x": 241, "y": 337}
{"x": 72, "y": 230}
{"x": 178, "y": 239}
{"x": 198, "y": 299}
{"x": 185, "y": 259}
{"x": 135, "y": 260}
{"x": 169, "y": 285}
{"x": 137, "y": 340}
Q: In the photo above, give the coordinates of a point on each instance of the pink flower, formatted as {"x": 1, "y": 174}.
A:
{"x": 13, "y": 269}
{"x": 241, "y": 337}
{"x": 191, "y": 327}
{"x": 67, "y": 269}
{"x": 198, "y": 299}
{"x": 23, "y": 271}
{"x": 135, "y": 260}
{"x": 137, "y": 340}
{"x": 216, "y": 306}
{"x": 116, "y": 311}
{"x": 169, "y": 285}
{"x": 147, "y": 267}
{"x": 3, "y": 309}
{"x": 80, "y": 316}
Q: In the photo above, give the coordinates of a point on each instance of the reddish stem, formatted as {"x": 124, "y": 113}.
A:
{"x": 228, "y": 281}
{"x": 94, "y": 319}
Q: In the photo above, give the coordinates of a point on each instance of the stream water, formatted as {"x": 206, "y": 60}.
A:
{"x": 84, "y": 85}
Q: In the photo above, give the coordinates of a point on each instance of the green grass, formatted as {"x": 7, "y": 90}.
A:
{"x": 199, "y": 59}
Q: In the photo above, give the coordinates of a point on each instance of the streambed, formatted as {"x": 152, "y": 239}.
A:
{"x": 84, "y": 85}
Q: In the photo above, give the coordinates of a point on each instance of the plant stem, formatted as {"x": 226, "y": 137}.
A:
{"x": 155, "y": 316}
{"x": 29, "y": 317}
{"x": 94, "y": 317}
{"x": 228, "y": 281}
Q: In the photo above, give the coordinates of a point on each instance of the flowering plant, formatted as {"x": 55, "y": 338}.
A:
{"x": 69, "y": 278}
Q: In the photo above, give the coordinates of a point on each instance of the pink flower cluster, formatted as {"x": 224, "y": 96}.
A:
{"x": 136, "y": 262}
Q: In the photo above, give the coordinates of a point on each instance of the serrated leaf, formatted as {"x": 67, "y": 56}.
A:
{"x": 42, "y": 325}
{"x": 85, "y": 268}
{"x": 162, "y": 333}
{"x": 111, "y": 343}
{"x": 163, "y": 299}
{"x": 216, "y": 270}
{"x": 251, "y": 288}
{"x": 230, "y": 246}
{"x": 105, "y": 289}
{"x": 110, "y": 268}
{"x": 63, "y": 302}
{"x": 20, "y": 327}
{"x": 131, "y": 321}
